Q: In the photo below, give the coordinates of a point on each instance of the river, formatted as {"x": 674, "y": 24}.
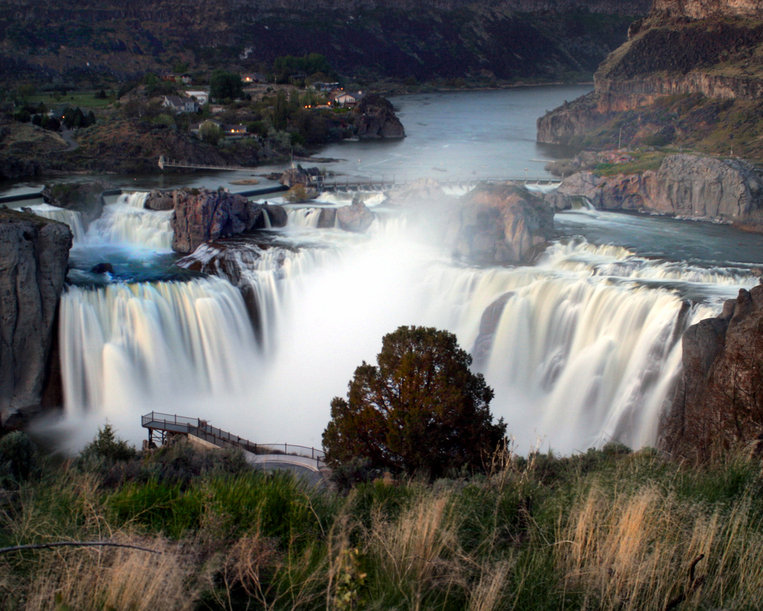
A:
{"x": 581, "y": 348}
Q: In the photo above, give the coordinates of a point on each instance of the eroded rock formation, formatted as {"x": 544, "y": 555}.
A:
{"x": 500, "y": 224}
{"x": 688, "y": 186}
{"x": 34, "y": 254}
{"x": 201, "y": 215}
{"x": 718, "y": 403}
{"x": 356, "y": 217}
{"x": 377, "y": 119}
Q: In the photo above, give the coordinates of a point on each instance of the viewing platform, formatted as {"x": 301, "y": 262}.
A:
{"x": 279, "y": 455}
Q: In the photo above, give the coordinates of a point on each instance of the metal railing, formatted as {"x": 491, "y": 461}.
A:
{"x": 203, "y": 430}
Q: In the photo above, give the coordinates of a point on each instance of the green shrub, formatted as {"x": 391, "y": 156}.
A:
{"x": 19, "y": 459}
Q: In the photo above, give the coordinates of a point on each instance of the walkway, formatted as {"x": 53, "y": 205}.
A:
{"x": 271, "y": 455}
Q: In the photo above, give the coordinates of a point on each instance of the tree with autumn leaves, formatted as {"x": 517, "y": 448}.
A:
{"x": 420, "y": 409}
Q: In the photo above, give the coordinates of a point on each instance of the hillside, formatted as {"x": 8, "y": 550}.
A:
{"x": 507, "y": 40}
{"x": 691, "y": 74}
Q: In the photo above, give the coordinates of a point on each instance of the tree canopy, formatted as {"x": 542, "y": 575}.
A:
{"x": 419, "y": 410}
{"x": 225, "y": 85}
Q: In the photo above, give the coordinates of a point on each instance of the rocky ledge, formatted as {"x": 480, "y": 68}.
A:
{"x": 687, "y": 186}
{"x": 201, "y": 216}
{"x": 34, "y": 254}
{"x": 718, "y": 403}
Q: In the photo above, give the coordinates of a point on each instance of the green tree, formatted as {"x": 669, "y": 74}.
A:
{"x": 225, "y": 85}
{"x": 209, "y": 131}
{"x": 419, "y": 410}
{"x": 105, "y": 449}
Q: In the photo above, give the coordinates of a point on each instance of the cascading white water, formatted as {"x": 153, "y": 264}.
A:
{"x": 304, "y": 217}
{"x": 72, "y": 218}
{"x": 127, "y": 221}
{"x": 167, "y": 346}
{"x": 581, "y": 348}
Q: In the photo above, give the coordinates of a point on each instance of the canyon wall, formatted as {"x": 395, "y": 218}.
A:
{"x": 504, "y": 39}
{"x": 34, "y": 254}
{"x": 718, "y": 403}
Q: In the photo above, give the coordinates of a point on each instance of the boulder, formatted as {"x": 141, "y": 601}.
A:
{"x": 718, "y": 403}
{"x": 376, "y": 119}
{"x": 356, "y": 217}
{"x": 34, "y": 254}
{"x": 500, "y": 224}
{"x": 201, "y": 215}
{"x": 327, "y": 218}
{"x": 159, "y": 200}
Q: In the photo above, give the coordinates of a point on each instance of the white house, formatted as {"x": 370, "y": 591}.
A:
{"x": 180, "y": 104}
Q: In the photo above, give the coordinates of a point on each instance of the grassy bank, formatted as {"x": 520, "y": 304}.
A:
{"x": 602, "y": 530}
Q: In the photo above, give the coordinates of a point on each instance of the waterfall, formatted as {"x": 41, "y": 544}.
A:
{"x": 166, "y": 346}
{"x": 72, "y": 218}
{"x": 127, "y": 221}
{"x": 304, "y": 217}
{"x": 581, "y": 348}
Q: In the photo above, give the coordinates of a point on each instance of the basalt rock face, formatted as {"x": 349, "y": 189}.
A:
{"x": 719, "y": 400}
{"x": 200, "y": 216}
{"x": 704, "y": 50}
{"x": 34, "y": 255}
{"x": 500, "y": 224}
{"x": 687, "y": 186}
{"x": 702, "y": 9}
{"x": 377, "y": 119}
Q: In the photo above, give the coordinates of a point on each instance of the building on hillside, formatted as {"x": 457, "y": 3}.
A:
{"x": 178, "y": 104}
{"x": 234, "y": 131}
{"x": 345, "y": 98}
{"x": 202, "y": 97}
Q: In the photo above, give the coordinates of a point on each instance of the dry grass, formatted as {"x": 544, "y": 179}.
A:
{"x": 418, "y": 551}
{"x": 113, "y": 578}
{"x": 648, "y": 550}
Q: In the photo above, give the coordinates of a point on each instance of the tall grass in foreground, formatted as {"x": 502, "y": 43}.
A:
{"x": 602, "y": 530}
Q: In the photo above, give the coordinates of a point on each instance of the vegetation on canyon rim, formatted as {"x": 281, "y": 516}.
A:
{"x": 606, "y": 529}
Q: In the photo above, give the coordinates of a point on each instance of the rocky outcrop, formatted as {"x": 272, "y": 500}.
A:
{"x": 376, "y": 119}
{"x": 704, "y": 50}
{"x": 159, "y": 200}
{"x": 299, "y": 176}
{"x": 687, "y": 186}
{"x": 84, "y": 197}
{"x": 702, "y": 9}
{"x": 500, "y": 224}
{"x": 200, "y": 216}
{"x": 356, "y": 217}
{"x": 718, "y": 403}
{"x": 34, "y": 254}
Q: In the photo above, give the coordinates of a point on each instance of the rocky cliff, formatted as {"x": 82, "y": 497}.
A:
{"x": 690, "y": 74}
{"x": 687, "y": 186}
{"x": 718, "y": 403}
{"x": 34, "y": 254}
{"x": 501, "y": 39}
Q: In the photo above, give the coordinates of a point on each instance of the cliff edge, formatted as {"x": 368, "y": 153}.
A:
{"x": 34, "y": 254}
{"x": 690, "y": 74}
